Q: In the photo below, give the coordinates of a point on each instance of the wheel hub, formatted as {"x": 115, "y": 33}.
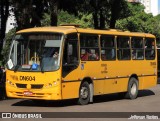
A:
{"x": 133, "y": 89}
{"x": 84, "y": 92}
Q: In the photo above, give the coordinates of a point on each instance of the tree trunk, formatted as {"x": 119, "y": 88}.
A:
{"x": 95, "y": 19}
{"x": 54, "y": 12}
{"x": 115, "y": 10}
{"x": 22, "y": 11}
{"x": 102, "y": 20}
{"x": 37, "y": 13}
{"x": 4, "y": 16}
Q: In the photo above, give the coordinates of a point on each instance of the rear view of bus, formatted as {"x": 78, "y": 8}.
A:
{"x": 32, "y": 55}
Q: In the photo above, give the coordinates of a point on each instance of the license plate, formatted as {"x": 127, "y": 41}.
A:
{"x": 28, "y": 93}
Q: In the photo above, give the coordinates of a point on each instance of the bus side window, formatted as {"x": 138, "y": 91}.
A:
{"x": 108, "y": 48}
{"x": 137, "y": 48}
{"x": 123, "y": 48}
{"x": 84, "y": 55}
{"x": 149, "y": 49}
{"x": 89, "y": 49}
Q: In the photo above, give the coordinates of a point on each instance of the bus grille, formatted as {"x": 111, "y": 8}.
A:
{"x": 33, "y": 86}
{"x": 36, "y": 86}
{"x": 21, "y": 85}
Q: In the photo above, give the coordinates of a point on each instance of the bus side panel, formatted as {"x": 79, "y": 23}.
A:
{"x": 93, "y": 70}
{"x": 148, "y": 82}
{"x": 71, "y": 84}
{"x": 98, "y": 87}
{"x": 70, "y": 90}
{"x": 149, "y": 74}
{"x": 115, "y": 85}
{"x": 140, "y": 80}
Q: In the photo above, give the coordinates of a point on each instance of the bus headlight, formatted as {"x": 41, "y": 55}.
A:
{"x": 55, "y": 83}
{"x": 48, "y": 85}
{"x": 12, "y": 84}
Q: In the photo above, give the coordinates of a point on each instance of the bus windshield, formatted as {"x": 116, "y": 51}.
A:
{"x": 35, "y": 52}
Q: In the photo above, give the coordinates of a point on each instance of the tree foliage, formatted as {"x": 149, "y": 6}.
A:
{"x": 85, "y": 20}
{"x": 139, "y": 21}
{"x": 28, "y": 13}
{"x": 104, "y": 12}
{"x": 7, "y": 43}
{"x": 4, "y": 13}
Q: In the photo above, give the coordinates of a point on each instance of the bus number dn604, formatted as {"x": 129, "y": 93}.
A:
{"x": 27, "y": 78}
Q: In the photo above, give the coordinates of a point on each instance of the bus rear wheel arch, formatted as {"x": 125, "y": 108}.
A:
{"x": 132, "y": 90}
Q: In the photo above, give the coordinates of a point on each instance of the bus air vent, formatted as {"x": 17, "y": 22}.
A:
{"x": 21, "y": 85}
{"x": 36, "y": 86}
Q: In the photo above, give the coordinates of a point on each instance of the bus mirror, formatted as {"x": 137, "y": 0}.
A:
{"x": 19, "y": 37}
{"x": 10, "y": 64}
{"x": 70, "y": 49}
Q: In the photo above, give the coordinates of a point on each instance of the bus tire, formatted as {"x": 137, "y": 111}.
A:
{"x": 132, "y": 89}
{"x": 84, "y": 94}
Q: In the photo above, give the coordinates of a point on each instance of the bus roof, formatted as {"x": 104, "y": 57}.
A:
{"x": 73, "y": 29}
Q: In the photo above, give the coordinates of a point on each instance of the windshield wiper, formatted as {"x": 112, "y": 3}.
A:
{"x": 16, "y": 68}
{"x": 41, "y": 64}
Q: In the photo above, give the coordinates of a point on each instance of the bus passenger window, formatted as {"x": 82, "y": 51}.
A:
{"x": 84, "y": 55}
{"x": 137, "y": 48}
{"x": 123, "y": 48}
{"x": 93, "y": 55}
{"x": 149, "y": 49}
{"x": 89, "y": 47}
{"x": 108, "y": 48}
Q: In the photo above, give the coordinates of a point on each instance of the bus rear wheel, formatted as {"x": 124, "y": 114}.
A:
{"x": 84, "y": 94}
{"x": 132, "y": 89}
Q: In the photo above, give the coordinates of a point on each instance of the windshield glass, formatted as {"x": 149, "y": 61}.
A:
{"x": 35, "y": 52}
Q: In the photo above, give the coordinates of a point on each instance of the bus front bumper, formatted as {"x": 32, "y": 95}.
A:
{"x": 42, "y": 94}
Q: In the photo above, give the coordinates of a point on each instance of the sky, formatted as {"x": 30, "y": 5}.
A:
{"x": 159, "y": 6}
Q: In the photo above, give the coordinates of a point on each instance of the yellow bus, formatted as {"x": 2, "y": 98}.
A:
{"x": 66, "y": 62}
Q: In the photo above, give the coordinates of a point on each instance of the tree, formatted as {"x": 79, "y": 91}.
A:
{"x": 105, "y": 13}
{"x": 4, "y": 13}
{"x": 38, "y": 8}
{"x": 7, "y": 43}
{"x": 137, "y": 21}
{"x": 53, "y": 5}
{"x": 156, "y": 26}
{"x": 119, "y": 9}
{"x": 28, "y": 13}
{"x": 98, "y": 9}
{"x": 22, "y": 11}
{"x": 84, "y": 20}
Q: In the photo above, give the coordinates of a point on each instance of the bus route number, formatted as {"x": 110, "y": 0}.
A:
{"x": 27, "y": 78}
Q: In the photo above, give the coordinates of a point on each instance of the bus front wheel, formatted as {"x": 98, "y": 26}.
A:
{"x": 132, "y": 89}
{"x": 84, "y": 94}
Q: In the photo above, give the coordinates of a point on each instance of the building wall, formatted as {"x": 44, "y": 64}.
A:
{"x": 154, "y": 7}
{"x": 151, "y": 6}
{"x": 11, "y": 21}
{"x": 147, "y": 4}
